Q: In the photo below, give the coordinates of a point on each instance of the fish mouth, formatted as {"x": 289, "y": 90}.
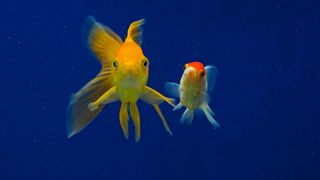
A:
{"x": 130, "y": 81}
{"x": 131, "y": 77}
{"x": 190, "y": 73}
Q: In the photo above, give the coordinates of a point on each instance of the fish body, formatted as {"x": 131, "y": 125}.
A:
{"x": 123, "y": 77}
{"x": 192, "y": 86}
{"x": 132, "y": 77}
{"x": 193, "y": 89}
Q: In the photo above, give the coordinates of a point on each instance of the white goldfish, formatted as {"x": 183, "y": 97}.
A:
{"x": 195, "y": 82}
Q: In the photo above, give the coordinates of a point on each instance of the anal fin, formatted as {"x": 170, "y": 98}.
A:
{"x": 209, "y": 114}
{"x": 124, "y": 119}
{"x": 134, "y": 112}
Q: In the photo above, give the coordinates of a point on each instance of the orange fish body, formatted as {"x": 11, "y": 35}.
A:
{"x": 123, "y": 77}
{"x": 193, "y": 89}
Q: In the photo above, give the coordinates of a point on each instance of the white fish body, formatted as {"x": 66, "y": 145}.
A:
{"x": 195, "y": 82}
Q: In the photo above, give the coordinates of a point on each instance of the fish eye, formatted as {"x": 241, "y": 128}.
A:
{"x": 145, "y": 63}
{"x": 184, "y": 67}
{"x": 115, "y": 63}
{"x": 202, "y": 73}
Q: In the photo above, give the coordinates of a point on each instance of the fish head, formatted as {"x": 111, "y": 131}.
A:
{"x": 194, "y": 74}
{"x": 130, "y": 69}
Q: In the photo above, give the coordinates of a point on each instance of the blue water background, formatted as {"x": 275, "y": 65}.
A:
{"x": 266, "y": 96}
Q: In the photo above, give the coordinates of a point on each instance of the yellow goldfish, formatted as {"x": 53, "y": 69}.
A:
{"x": 123, "y": 77}
{"x": 195, "y": 82}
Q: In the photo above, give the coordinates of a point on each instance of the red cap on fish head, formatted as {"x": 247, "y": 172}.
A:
{"x": 198, "y": 66}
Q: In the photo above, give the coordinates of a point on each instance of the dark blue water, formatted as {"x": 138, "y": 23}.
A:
{"x": 266, "y": 96}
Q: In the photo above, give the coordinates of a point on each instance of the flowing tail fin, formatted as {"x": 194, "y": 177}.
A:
{"x": 78, "y": 113}
{"x": 102, "y": 41}
{"x": 209, "y": 114}
{"x": 104, "y": 44}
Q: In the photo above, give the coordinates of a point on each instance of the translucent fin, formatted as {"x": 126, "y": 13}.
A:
{"x": 134, "y": 112}
{"x": 212, "y": 73}
{"x": 209, "y": 114}
{"x": 187, "y": 116}
{"x": 78, "y": 114}
{"x": 102, "y": 41}
{"x": 105, "y": 45}
{"x": 135, "y": 32}
{"x": 172, "y": 89}
{"x": 177, "y": 107}
{"x": 207, "y": 97}
{"x": 108, "y": 97}
{"x": 124, "y": 119}
{"x": 164, "y": 122}
{"x": 152, "y": 96}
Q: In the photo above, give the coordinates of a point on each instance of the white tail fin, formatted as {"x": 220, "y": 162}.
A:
{"x": 209, "y": 114}
{"x": 187, "y": 116}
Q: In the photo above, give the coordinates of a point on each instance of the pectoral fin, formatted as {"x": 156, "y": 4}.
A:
{"x": 108, "y": 97}
{"x": 164, "y": 122}
{"x": 212, "y": 73}
{"x": 177, "y": 107}
{"x": 172, "y": 89}
{"x": 134, "y": 112}
{"x": 152, "y": 96}
{"x": 124, "y": 119}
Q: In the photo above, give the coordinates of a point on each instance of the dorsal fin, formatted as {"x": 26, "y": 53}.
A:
{"x": 135, "y": 32}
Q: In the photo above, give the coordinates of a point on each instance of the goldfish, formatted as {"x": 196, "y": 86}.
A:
{"x": 123, "y": 77}
{"x": 195, "y": 83}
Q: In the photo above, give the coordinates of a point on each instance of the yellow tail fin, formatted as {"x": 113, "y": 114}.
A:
{"x": 104, "y": 44}
{"x": 135, "y": 32}
{"x": 102, "y": 41}
{"x": 78, "y": 114}
{"x": 134, "y": 112}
